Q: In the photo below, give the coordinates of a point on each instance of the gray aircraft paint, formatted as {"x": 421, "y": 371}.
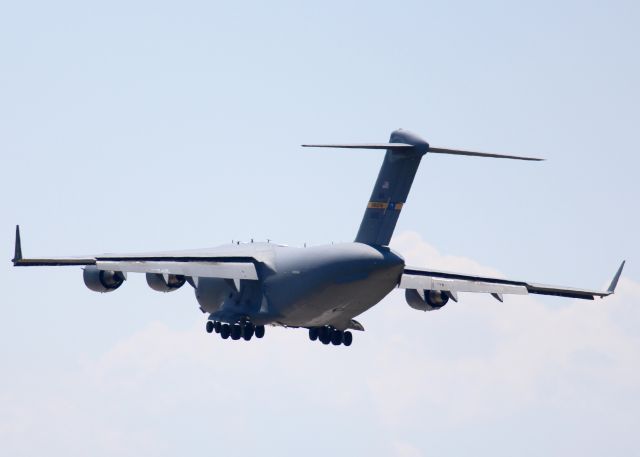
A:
{"x": 391, "y": 189}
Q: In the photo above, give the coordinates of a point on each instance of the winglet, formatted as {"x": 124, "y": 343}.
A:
{"x": 614, "y": 282}
{"x": 17, "y": 256}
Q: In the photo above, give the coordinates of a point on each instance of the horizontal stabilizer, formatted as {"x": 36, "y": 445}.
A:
{"x": 459, "y": 152}
{"x": 395, "y": 146}
{"x": 421, "y": 147}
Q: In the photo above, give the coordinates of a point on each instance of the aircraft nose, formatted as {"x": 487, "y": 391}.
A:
{"x": 405, "y": 136}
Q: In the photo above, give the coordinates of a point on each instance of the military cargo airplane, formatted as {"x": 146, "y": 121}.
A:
{"x": 244, "y": 287}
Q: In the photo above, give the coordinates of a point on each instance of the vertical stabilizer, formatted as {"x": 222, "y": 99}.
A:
{"x": 404, "y": 152}
{"x": 391, "y": 189}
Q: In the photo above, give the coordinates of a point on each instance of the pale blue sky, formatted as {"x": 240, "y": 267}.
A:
{"x": 132, "y": 126}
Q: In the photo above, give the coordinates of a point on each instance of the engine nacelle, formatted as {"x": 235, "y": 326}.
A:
{"x": 212, "y": 292}
{"x": 165, "y": 283}
{"x": 102, "y": 280}
{"x": 427, "y": 300}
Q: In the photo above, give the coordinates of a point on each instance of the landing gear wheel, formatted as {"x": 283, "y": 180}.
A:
{"x": 259, "y": 332}
{"x": 247, "y": 331}
{"x": 336, "y": 338}
{"x": 236, "y": 331}
{"x": 313, "y": 333}
{"x": 225, "y": 331}
{"x": 217, "y": 326}
{"x": 209, "y": 326}
{"x": 324, "y": 335}
{"x": 347, "y": 338}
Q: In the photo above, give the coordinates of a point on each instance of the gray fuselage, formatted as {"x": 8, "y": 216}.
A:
{"x": 309, "y": 287}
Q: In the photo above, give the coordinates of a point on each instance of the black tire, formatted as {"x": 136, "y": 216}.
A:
{"x": 247, "y": 331}
{"x": 259, "y": 332}
{"x": 323, "y": 333}
{"x": 225, "y": 331}
{"x": 209, "y": 326}
{"x": 236, "y": 332}
{"x": 336, "y": 338}
{"x": 313, "y": 333}
{"x": 347, "y": 338}
{"x": 217, "y": 326}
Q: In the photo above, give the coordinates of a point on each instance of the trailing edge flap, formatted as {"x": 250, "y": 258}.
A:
{"x": 456, "y": 285}
{"x": 225, "y": 270}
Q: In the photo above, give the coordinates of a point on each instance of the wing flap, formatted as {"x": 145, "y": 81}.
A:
{"x": 458, "y": 285}
{"x": 226, "y": 270}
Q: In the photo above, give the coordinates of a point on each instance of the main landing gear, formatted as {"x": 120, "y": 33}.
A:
{"x": 244, "y": 330}
{"x": 330, "y": 335}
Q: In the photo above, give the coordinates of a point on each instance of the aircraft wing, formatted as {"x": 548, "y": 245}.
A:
{"x": 197, "y": 264}
{"x": 423, "y": 279}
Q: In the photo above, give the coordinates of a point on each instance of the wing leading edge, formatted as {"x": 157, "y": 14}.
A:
{"x": 423, "y": 279}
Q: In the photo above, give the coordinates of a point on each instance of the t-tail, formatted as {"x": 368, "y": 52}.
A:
{"x": 404, "y": 152}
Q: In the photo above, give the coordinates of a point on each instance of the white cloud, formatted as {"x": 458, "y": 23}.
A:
{"x": 402, "y": 449}
{"x": 534, "y": 352}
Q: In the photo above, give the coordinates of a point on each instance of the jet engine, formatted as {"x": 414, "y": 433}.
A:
{"x": 212, "y": 292}
{"x": 165, "y": 283}
{"x": 102, "y": 280}
{"x": 426, "y": 300}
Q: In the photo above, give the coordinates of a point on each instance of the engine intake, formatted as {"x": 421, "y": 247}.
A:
{"x": 427, "y": 300}
{"x": 165, "y": 283}
{"x": 102, "y": 280}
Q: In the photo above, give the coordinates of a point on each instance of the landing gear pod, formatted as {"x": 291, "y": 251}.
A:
{"x": 211, "y": 293}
